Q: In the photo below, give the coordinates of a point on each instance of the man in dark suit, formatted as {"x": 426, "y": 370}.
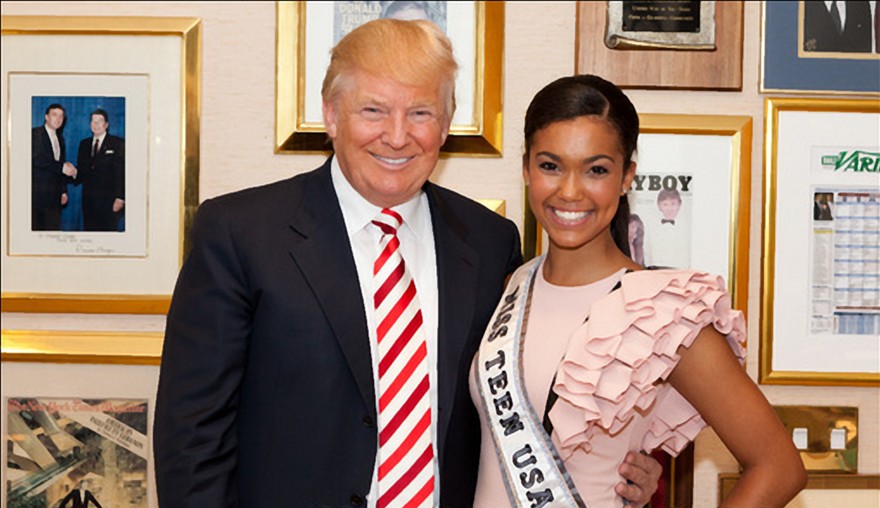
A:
{"x": 271, "y": 391}
{"x": 101, "y": 163}
{"x": 841, "y": 26}
{"x": 50, "y": 173}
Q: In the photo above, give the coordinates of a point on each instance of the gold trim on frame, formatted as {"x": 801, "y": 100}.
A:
{"x": 128, "y": 348}
{"x": 189, "y": 30}
{"x": 766, "y": 374}
{"x": 482, "y": 138}
{"x": 815, "y": 481}
{"x": 739, "y": 129}
{"x": 498, "y": 206}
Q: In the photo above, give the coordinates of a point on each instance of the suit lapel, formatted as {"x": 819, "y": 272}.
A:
{"x": 321, "y": 249}
{"x": 456, "y": 285}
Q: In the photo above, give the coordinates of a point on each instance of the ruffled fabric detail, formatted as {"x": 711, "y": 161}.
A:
{"x": 615, "y": 361}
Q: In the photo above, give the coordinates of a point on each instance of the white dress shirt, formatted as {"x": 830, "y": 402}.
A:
{"x": 416, "y": 237}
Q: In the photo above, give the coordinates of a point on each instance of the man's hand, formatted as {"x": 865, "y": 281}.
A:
{"x": 118, "y": 204}
{"x": 69, "y": 170}
{"x": 644, "y": 473}
{"x": 63, "y": 199}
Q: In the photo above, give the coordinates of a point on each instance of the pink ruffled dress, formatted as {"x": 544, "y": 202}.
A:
{"x": 611, "y": 372}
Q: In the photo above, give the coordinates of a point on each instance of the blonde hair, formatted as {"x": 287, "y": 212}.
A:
{"x": 413, "y": 53}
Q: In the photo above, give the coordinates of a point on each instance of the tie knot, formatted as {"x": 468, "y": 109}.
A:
{"x": 388, "y": 221}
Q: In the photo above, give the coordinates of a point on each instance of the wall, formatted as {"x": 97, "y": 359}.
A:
{"x": 236, "y": 147}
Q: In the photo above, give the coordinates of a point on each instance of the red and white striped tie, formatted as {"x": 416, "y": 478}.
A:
{"x": 406, "y": 457}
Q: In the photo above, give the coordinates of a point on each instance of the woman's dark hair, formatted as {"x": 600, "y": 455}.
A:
{"x": 587, "y": 95}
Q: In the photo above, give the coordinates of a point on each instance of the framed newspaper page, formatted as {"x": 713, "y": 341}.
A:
{"x": 307, "y": 31}
{"x": 77, "y": 430}
{"x": 802, "y": 52}
{"x": 100, "y": 164}
{"x": 820, "y": 297}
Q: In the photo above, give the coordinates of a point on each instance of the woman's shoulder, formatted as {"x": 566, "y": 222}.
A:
{"x": 616, "y": 361}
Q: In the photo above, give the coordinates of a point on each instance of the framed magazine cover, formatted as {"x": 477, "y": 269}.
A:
{"x": 306, "y": 31}
{"x": 820, "y": 298}
{"x": 55, "y": 257}
{"x": 71, "y": 427}
{"x": 798, "y": 56}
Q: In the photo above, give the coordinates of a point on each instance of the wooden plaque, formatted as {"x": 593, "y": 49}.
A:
{"x": 720, "y": 69}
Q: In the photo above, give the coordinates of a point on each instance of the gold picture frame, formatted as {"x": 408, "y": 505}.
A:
{"x": 685, "y": 128}
{"x": 805, "y": 337}
{"x": 171, "y": 140}
{"x": 478, "y": 136}
{"x": 843, "y": 488}
{"x": 49, "y": 346}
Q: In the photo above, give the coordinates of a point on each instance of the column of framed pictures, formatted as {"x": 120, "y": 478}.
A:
{"x": 820, "y": 305}
{"x": 77, "y": 405}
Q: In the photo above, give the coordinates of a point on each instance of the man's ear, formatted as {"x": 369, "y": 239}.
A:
{"x": 329, "y": 111}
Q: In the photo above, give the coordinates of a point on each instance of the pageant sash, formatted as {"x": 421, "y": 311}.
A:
{"x": 533, "y": 472}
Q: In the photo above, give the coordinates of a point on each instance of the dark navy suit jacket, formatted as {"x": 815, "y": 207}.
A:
{"x": 266, "y": 393}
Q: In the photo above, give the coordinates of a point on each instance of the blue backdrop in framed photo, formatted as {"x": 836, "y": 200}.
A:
{"x": 784, "y": 70}
{"x": 77, "y": 117}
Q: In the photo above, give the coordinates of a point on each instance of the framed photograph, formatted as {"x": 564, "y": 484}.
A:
{"x": 100, "y": 172}
{"x": 820, "y": 298}
{"x": 823, "y": 491}
{"x": 308, "y": 30}
{"x": 77, "y": 431}
{"x": 662, "y": 44}
{"x": 807, "y": 49}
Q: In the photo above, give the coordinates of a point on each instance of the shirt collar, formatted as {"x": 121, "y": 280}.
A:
{"x": 100, "y": 138}
{"x": 358, "y": 212}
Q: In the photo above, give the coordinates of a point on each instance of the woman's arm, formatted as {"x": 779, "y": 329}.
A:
{"x": 710, "y": 378}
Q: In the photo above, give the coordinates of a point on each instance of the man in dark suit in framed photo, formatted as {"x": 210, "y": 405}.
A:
{"x": 838, "y": 26}
{"x": 101, "y": 163}
{"x": 50, "y": 172}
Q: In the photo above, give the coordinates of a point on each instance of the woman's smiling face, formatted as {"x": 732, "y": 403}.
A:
{"x": 575, "y": 177}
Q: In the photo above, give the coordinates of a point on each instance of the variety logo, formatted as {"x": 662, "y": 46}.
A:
{"x": 857, "y": 161}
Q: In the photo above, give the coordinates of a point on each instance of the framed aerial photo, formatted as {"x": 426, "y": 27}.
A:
{"x": 694, "y": 45}
{"x": 807, "y": 49}
{"x": 100, "y": 168}
{"x": 820, "y": 296}
{"x": 306, "y": 31}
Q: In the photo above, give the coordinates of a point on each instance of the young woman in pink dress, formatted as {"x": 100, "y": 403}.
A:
{"x": 590, "y": 356}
